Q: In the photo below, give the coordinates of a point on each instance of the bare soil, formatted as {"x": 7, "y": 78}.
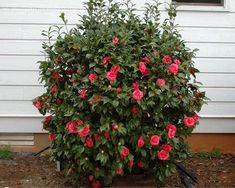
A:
{"x": 25, "y": 170}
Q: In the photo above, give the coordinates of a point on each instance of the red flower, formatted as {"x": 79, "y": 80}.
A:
{"x": 97, "y": 137}
{"x": 119, "y": 171}
{"x": 119, "y": 90}
{"x": 142, "y": 67}
{"x": 79, "y": 122}
{"x": 72, "y": 127}
{"x": 173, "y": 68}
{"x": 177, "y": 62}
{"x": 97, "y": 98}
{"x": 51, "y": 136}
{"x": 115, "y": 40}
{"x": 153, "y": 53}
{"x": 58, "y": 60}
{"x": 195, "y": 117}
{"x": 147, "y": 72}
{"x": 167, "y": 59}
{"x": 92, "y": 77}
{"x": 37, "y": 104}
{"x": 189, "y": 121}
{"x": 171, "y": 130}
{"x": 140, "y": 142}
{"x": 140, "y": 164}
{"x": 69, "y": 72}
{"x": 112, "y": 74}
{"x": 96, "y": 184}
{"x": 105, "y": 60}
{"x": 125, "y": 152}
{"x": 89, "y": 142}
{"x": 56, "y": 76}
{"x": 135, "y": 110}
{"x": 47, "y": 119}
{"x": 146, "y": 60}
{"x": 137, "y": 94}
{"x": 54, "y": 89}
{"x": 82, "y": 93}
{"x": 59, "y": 101}
{"x": 167, "y": 147}
{"x": 130, "y": 163}
{"x": 160, "y": 82}
{"x": 84, "y": 132}
{"x": 154, "y": 141}
{"x": 107, "y": 135}
{"x": 163, "y": 155}
{"x": 91, "y": 178}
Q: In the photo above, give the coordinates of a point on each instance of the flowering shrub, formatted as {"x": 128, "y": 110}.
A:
{"x": 119, "y": 91}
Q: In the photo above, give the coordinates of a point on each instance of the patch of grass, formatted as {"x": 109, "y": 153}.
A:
{"x": 214, "y": 153}
{"x": 5, "y": 152}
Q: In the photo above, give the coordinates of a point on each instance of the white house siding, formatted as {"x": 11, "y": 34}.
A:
{"x": 21, "y": 23}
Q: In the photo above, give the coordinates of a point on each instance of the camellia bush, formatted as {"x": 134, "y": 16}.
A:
{"x": 120, "y": 92}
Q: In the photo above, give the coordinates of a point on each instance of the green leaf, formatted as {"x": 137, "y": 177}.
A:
{"x": 122, "y": 130}
{"x": 115, "y": 103}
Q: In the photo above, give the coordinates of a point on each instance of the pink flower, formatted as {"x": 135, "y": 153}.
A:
{"x": 82, "y": 93}
{"x": 189, "y": 121}
{"x": 51, "y": 136}
{"x": 119, "y": 171}
{"x": 119, "y": 90}
{"x": 173, "y": 68}
{"x": 96, "y": 184}
{"x": 171, "y": 130}
{"x": 135, "y": 110}
{"x": 137, "y": 94}
{"x": 195, "y": 117}
{"x": 167, "y": 59}
{"x": 112, "y": 74}
{"x": 89, "y": 142}
{"x": 37, "y": 104}
{"x": 130, "y": 163}
{"x": 167, "y": 147}
{"x": 115, "y": 40}
{"x": 72, "y": 127}
{"x": 92, "y": 77}
{"x": 177, "y": 62}
{"x": 140, "y": 164}
{"x": 142, "y": 67}
{"x": 115, "y": 127}
{"x": 160, "y": 82}
{"x": 140, "y": 142}
{"x": 154, "y": 141}
{"x": 125, "y": 152}
{"x": 105, "y": 60}
{"x": 84, "y": 132}
{"x": 163, "y": 155}
{"x": 54, "y": 89}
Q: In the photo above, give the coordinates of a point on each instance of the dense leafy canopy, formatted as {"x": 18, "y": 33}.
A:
{"x": 120, "y": 92}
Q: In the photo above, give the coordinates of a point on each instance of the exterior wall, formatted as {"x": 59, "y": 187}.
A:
{"x": 21, "y": 22}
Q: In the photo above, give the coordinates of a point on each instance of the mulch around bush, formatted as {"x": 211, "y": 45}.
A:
{"x": 25, "y": 170}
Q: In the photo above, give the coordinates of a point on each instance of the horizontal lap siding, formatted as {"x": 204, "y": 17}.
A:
{"x": 21, "y": 24}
